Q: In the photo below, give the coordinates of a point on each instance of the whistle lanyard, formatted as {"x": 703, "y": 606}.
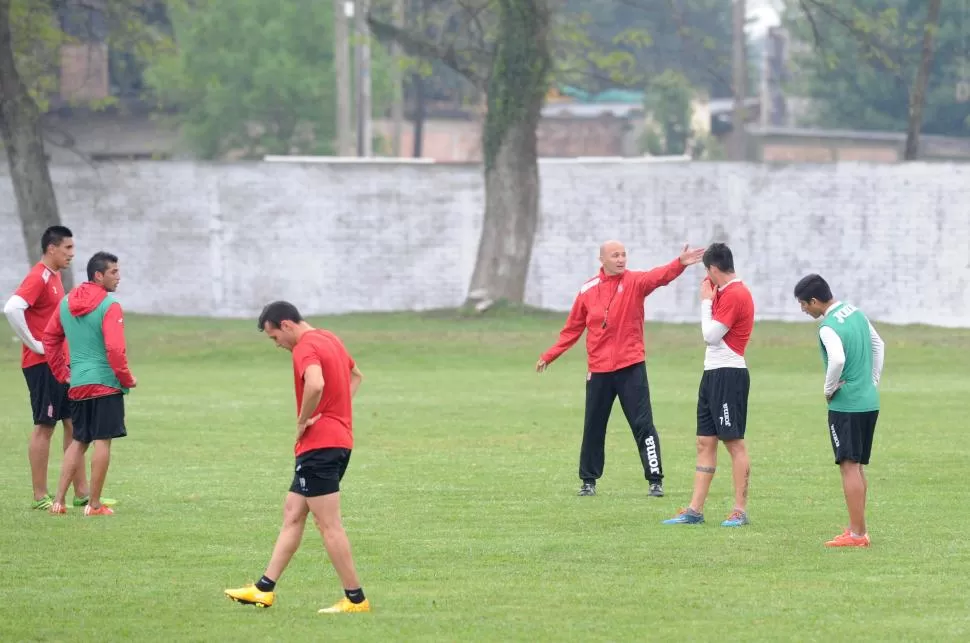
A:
{"x": 610, "y": 302}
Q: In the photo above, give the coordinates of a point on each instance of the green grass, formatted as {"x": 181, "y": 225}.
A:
{"x": 460, "y": 498}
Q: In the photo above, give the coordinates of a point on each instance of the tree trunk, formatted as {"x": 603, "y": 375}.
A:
{"x": 917, "y": 97}
{"x": 515, "y": 94}
{"x": 511, "y": 217}
{"x": 341, "y": 61}
{"x": 23, "y": 143}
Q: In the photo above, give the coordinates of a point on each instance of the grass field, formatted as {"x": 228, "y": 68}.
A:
{"x": 460, "y": 499}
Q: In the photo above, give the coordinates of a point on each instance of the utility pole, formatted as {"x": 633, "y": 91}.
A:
{"x": 740, "y": 68}
{"x": 364, "y": 130}
{"x": 341, "y": 60}
{"x": 397, "y": 82}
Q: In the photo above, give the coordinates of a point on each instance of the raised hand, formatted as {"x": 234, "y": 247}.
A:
{"x": 689, "y": 257}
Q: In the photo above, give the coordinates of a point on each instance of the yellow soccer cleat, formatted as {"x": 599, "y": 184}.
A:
{"x": 250, "y": 595}
{"x": 345, "y": 606}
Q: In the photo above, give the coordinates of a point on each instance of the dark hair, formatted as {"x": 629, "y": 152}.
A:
{"x": 99, "y": 263}
{"x": 54, "y": 235}
{"x": 813, "y": 287}
{"x": 278, "y": 312}
{"x": 719, "y": 256}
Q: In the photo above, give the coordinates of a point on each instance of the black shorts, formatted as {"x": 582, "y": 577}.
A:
{"x": 48, "y": 397}
{"x": 99, "y": 418}
{"x": 722, "y": 403}
{"x": 851, "y": 435}
{"x": 319, "y": 472}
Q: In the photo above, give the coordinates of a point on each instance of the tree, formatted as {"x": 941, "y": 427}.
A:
{"x": 667, "y": 102}
{"x": 917, "y": 95}
{"x": 31, "y": 36}
{"x": 503, "y": 48}
{"x": 692, "y": 38}
{"x": 256, "y": 77}
{"x": 882, "y": 65}
{"x": 20, "y": 123}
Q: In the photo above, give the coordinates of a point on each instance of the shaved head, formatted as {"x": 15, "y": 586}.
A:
{"x": 609, "y": 246}
{"x": 613, "y": 257}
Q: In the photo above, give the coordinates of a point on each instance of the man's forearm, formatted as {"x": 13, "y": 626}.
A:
{"x": 311, "y": 399}
{"x": 712, "y": 331}
{"x": 833, "y": 375}
{"x": 15, "y": 310}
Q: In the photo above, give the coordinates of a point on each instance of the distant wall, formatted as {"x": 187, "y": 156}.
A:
{"x": 223, "y": 239}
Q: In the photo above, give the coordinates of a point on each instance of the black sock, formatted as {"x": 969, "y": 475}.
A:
{"x": 355, "y": 595}
{"x": 265, "y": 585}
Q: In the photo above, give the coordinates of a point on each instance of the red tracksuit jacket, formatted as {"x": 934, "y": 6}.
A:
{"x": 610, "y": 309}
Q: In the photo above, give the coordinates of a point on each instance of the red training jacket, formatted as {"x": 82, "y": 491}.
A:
{"x": 81, "y": 301}
{"x": 615, "y": 301}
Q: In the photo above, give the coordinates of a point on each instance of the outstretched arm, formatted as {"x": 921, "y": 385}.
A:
{"x": 569, "y": 335}
{"x": 650, "y": 280}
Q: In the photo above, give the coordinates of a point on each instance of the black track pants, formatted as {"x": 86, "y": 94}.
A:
{"x": 630, "y": 385}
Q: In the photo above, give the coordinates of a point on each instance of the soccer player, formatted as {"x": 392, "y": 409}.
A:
{"x": 853, "y": 354}
{"x": 90, "y": 320}
{"x": 727, "y": 319}
{"x": 609, "y": 307}
{"x": 326, "y": 379}
{"x": 28, "y": 310}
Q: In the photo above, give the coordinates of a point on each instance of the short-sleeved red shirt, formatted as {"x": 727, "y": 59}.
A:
{"x": 734, "y": 307}
{"x": 334, "y": 429}
{"x": 43, "y": 290}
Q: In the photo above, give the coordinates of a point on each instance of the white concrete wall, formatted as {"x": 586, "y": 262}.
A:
{"x": 222, "y": 240}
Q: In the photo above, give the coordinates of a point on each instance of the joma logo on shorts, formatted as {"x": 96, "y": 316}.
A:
{"x": 652, "y": 455}
{"x": 725, "y": 415}
{"x": 835, "y": 438}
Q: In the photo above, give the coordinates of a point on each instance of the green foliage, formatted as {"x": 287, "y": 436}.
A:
{"x": 36, "y": 44}
{"x": 857, "y": 64}
{"x": 125, "y": 26}
{"x": 667, "y": 102}
{"x": 255, "y": 77}
{"x": 627, "y": 42}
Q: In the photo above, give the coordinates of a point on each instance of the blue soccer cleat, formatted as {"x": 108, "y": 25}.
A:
{"x": 686, "y": 517}
{"x": 737, "y": 518}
